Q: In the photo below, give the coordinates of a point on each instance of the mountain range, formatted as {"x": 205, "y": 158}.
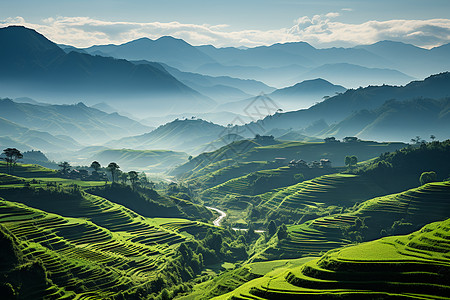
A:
{"x": 84, "y": 124}
{"x": 286, "y": 64}
{"x": 337, "y": 108}
{"x": 41, "y": 69}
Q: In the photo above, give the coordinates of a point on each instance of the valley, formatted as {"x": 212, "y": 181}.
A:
{"x": 169, "y": 160}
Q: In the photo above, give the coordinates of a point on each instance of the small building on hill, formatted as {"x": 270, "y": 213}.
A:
{"x": 298, "y": 164}
{"x": 325, "y": 163}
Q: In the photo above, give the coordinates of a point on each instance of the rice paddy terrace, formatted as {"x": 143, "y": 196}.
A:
{"x": 414, "y": 208}
{"x": 333, "y": 189}
{"x": 410, "y": 266}
{"x": 92, "y": 248}
{"x": 269, "y": 179}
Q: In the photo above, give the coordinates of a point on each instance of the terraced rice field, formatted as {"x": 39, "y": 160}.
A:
{"x": 410, "y": 266}
{"x": 97, "y": 248}
{"x": 419, "y": 206}
{"x": 334, "y": 189}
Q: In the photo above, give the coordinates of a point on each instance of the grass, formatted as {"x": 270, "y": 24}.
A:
{"x": 232, "y": 279}
{"x": 29, "y": 170}
{"x": 410, "y": 266}
{"x": 333, "y": 189}
{"x": 91, "y": 247}
{"x": 412, "y": 209}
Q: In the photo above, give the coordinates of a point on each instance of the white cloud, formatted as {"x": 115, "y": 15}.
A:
{"x": 319, "y": 30}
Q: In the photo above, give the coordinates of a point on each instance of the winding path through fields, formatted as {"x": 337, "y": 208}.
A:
{"x": 219, "y": 219}
{"x": 223, "y": 215}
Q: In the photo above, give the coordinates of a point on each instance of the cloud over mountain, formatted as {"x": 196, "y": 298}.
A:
{"x": 319, "y": 30}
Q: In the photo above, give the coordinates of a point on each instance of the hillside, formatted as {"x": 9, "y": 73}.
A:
{"x": 92, "y": 260}
{"x": 56, "y": 76}
{"x": 189, "y": 135}
{"x": 354, "y": 76}
{"x": 397, "y": 121}
{"x": 154, "y": 161}
{"x": 339, "y": 107}
{"x": 84, "y": 124}
{"x": 412, "y": 266}
{"x": 301, "y": 95}
{"x": 16, "y": 136}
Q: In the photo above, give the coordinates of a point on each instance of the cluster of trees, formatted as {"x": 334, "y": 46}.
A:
{"x": 113, "y": 168}
{"x": 351, "y": 161}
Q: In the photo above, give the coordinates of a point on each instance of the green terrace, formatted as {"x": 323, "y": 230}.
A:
{"x": 410, "y": 209}
{"x": 411, "y": 266}
{"x": 333, "y": 189}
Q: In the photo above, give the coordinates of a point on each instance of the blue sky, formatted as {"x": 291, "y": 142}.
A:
{"x": 323, "y": 23}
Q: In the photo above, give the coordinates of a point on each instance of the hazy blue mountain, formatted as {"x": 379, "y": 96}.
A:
{"x": 41, "y": 69}
{"x": 274, "y": 76}
{"x": 339, "y": 107}
{"x": 104, "y": 107}
{"x": 85, "y": 124}
{"x": 68, "y": 48}
{"x": 301, "y": 95}
{"x": 354, "y": 76}
{"x": 154, "y": 161}
{"x": 166, "y": 49}
{"x": 29, "y": 100}
{"x": 398, "y": 121}
{"x": 220, "y": 88}
{"x": 262, "y": 56}
{"x": 413, "y": 60}
{"x": 300, "y": 53}
{"x": 305, "y": 93}
{"x": 221, "y": 118}
{"x": 16, "y": 136}
{"x": 191, "y": 136}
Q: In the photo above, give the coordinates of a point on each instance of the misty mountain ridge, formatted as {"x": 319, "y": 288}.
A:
{"x": 339, "y": 107}
{"x": 41, "y": 69}
{"x": 17, "y": 136}
{"x": 85, "y": 124}
{"x": 301, "y": 95}
{"x": 397, "y": 121}
{"x": 165, "y": 49}
{"x": 189, "y": 135}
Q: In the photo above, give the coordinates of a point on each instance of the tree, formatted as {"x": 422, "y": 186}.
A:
{"x": 113, "y": 168}
{"x": 282, "y": 232}
{"x": 123, "y": 176}
{"x": 65, "y": 167}
{"x": 351, "y": 161}
{"x": 427, "y": 177}
{"x": 133, "y": 176}
{"x": 11, "y": 157}
{"x": 95, "y": 165}
{"x": 432, "y": 137}
{"x": 272, "y": 228}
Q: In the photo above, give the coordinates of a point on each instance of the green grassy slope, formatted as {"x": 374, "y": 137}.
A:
{"x": 392, "y": 214}
{"x": 254, "y": 151}
{"x": 262, "y": 181}
{"x": 336, "y": 152}
{"x": 334, "y": 189}
{"x": 29, "y": 170}
{"x": 411, "y": 266}
{"x": 101, "y": 250}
